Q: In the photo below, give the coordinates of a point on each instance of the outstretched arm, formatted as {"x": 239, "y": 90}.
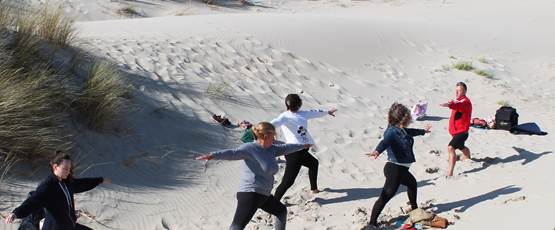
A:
{"x": 419, "y": 132}
{"x": 457, "y": 105}
{"x": 446, "y": 104}
{"x": 34, "y": 202}
{"x": 228, "y": 154}
{"x": 382, "y": 146}
{"x": 316, "y": 113}
{"x": 80, "y": 185}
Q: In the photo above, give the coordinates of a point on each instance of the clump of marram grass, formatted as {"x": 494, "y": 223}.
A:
{"x": 6, "y": 18}
{"x": 217, "y": 90}
{"x": 484, "y": 73}
{"x": 39, "y": 102}
{"x": 129, "y": 11}
{"x": 465, "y": 66}
{"x": 23, "y": 42}
{"x": 104, "y": 100}
{"x": 7, "y": 161}
{"x": 54, "y": 26}
{"x": 483, "y": 60}
{"x": 32, "y": 113}
{"x": 31, "y": 27}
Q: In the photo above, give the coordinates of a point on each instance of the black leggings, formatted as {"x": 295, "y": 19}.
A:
{"x": 395, "y": 175}
{"x": 82, "y": 227}
{"x": 293, "y": 164}
{"x": 249, "y": 202}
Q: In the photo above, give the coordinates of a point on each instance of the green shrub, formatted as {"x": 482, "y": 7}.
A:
{"x": 466, "y": 66}
{"x": 484, "y": 73}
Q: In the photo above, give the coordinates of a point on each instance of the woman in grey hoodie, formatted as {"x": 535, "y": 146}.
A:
{"x": 257, "y": 179}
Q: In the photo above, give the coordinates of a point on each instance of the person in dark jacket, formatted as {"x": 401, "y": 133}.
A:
{"x": 459, "y": 124}
{"x": 55, "y": 195}
{"x": 398, "y": 141}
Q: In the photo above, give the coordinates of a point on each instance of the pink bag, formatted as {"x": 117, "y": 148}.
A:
{"x": 418, "y": 111}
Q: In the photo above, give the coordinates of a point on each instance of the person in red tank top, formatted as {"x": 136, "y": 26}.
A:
{"x": 459, "y": 123}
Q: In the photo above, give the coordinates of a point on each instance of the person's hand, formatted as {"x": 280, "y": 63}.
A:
{"x": 427, "y": 128}
{"x": 332, "y": 111}
{"x": 106, "y": 180}
{"x": 375, "y": 154}
{"x": 447, "y": 104}
{"x": 205, "y": 157}
{"x": 307, "y": 146}
{"x": 10, "y": 218}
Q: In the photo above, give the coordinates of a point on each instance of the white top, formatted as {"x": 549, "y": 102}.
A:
{"x": 294, "y": 126}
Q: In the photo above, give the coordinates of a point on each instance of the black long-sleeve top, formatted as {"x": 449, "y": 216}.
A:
{"x": 56, "y": 197}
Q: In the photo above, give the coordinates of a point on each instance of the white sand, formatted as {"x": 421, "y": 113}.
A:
{"x": 358, "y": 56}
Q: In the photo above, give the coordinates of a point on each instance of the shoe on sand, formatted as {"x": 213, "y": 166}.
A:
{"x": 221, "y": 119}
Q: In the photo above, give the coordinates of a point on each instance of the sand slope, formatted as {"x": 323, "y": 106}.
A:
{"x": 360, "y": 58}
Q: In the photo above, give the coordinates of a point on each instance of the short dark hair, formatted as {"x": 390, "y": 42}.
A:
{"x": 293, "y": 102}
{"x": 397, "y": 114}
{"x": 461, "y": 84}
{"x": 58, "y": 158}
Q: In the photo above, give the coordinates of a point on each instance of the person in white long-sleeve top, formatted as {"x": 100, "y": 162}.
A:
{"x": 294, "y": 127}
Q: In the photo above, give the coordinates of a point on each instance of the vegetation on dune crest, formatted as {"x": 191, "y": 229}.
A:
{"x": 41, "y": 102}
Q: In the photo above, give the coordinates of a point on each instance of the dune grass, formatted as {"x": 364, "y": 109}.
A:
{"x": 54, "y": 26}
{"x": 465, "y": 66}
{"x": 32, "y": 113}
{"x": 6, "y": 18}
{"x": 129, "y": 11}
{"x": 41, "y": 103}
{"x": 484, "y": 73}
{"x": 104, "y": 99}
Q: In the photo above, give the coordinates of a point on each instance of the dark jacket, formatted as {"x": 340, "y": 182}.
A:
{"x": 398, "y": 143}
{"x": 51, "y": 195}
{"x": 461, "y": 111}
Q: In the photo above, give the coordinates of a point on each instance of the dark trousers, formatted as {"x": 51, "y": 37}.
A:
{"x": 82, "y": 227}
{"x": 293, "y": 164}
{"x": 249, "y": 202}
{"x": 395, "y": 175}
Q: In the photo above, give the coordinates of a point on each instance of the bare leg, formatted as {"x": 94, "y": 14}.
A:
{"x": 466, "y": 153}
{"x": 452, "y": 160}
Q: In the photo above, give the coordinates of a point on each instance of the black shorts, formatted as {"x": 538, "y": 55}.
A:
{"x": 458, "y": 141}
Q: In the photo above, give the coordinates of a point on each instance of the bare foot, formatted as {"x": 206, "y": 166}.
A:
{"x": 315, "y": 191}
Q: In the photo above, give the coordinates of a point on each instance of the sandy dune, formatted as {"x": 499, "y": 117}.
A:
{"x": 357, "y": 56}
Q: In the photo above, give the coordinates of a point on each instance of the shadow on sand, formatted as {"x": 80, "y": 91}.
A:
{"x": 352, "y": 194}
{"x": 463, "y": 205}
{"x": 522, "y": 154}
